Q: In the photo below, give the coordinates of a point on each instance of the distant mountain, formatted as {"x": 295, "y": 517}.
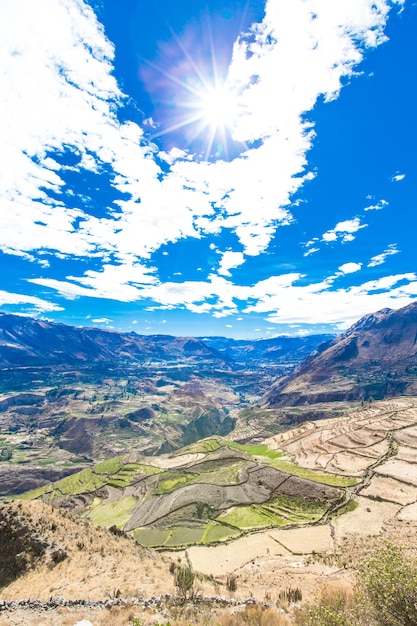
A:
{"x": 278, "y": 350}
{"x": 375, "y": 358}
{"x": 25, "y": 341}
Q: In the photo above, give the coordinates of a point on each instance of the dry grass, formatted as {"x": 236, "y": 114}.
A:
{"x": 184, "y": 616}
{"x": 98, "y": 565}
{"x": 255, "y": 616}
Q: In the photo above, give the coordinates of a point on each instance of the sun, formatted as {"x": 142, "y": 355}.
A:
{"x": 210, "y": 112}
{"x": 199, "y": 104}
{"x": 218, "y": 109}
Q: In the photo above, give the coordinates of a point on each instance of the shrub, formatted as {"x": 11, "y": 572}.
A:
{"x": 231, "y": 583}
{"x": 184, "y": 578}
{"x": 386, "y": 595}
{"x": 388, "y": 581}
{"x": 334, "y": 608}
{"x": 255, "y": 616}
{"x": 291, "y": 595}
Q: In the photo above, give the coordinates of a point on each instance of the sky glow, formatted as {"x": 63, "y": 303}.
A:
{"x": 243, "y": 169}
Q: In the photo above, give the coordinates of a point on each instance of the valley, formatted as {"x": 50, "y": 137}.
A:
{"x": 262, "y": 463}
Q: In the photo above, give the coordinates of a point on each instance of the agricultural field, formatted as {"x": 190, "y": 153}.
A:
{"x": 217, "y": 491}
{"x": 214, "y": 491}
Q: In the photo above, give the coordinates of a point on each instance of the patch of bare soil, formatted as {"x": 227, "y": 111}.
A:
{"x": 389, "y": 489}
{"x": 352, "y": 443}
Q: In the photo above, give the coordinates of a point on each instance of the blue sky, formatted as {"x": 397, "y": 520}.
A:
{"x": 239, "y": 168}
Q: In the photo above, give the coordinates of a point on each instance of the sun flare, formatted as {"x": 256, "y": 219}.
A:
{"x": 218, "y": 108}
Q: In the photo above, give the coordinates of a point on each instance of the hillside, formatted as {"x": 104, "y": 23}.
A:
{"x": 375, "y": 358}
{"x": 45, "y": 552}
{"x": 306, "y": 543}
{"x": 28, "y": 342}
{"x": 212, "y": 491}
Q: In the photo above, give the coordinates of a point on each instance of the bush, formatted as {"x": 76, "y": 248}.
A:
{"x": 291, "y": 595}
{"x": 255, "y": 616}
{"x": 388, "y": 581}
{"x": 231, "y": 583}
{"x": 184, "y": 580}
{"x": 386, "y": 595}
{"x": 334, "y": 608}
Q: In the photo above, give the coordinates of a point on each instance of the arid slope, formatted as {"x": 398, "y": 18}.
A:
{"x": 376, "y": 357}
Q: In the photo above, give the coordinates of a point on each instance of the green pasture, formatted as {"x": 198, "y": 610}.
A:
{"x": 217, "y": 532}
{"x": 112, "y": 513}
{"x": 244, "y": 517}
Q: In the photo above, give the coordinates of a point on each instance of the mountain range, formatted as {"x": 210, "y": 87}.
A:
{"x": 26, "y": 341}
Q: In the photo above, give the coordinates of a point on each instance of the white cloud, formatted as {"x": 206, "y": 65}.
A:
{"x": 101, "y": 320}
{"x": 116, "y": 282}
{"x": 320, "y": 304}
{"x": 379, "y": 259}
{"x": 350, "y": 268}
{"x": 37, "y": 304}
{"x": 378, "y": 206}
{"x": 397, "y": 177}
{"x": 343, "y": 231}
{"x": 229, "y": 261}
{"x": 59, "y": 92}
{"x": 311, "y": 251}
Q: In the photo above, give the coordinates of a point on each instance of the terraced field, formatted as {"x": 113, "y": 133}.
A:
{"x": 301, "y": 492}
{"x": 372, "y": 452}
{"x": 210, "y": 492}
{"x": 377, "y": 444}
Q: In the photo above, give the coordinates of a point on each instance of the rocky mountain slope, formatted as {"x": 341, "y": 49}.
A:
{"x": 375, "y": 358}
{"x": 277, "y": 350}
{"x": 25, "y": 341}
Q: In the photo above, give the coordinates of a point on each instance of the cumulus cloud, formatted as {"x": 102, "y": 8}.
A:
{"x": 350, "y": 268}
{"x": 343, "y": 231}
{"x": 229, "y": 261}
{"x": 397, "y": 177}
{"x": 319, "y": 303}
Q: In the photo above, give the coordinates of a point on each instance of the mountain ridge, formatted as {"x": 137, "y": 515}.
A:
{"x": 375, "y": 357}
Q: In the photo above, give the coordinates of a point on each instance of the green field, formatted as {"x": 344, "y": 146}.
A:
{"x": 228, "y": 475}
{"x": 260, "y": 450}
{"x": 112, "y": 472}
{"x": 217, "y": 532}
{"x": 184, "y": 535}
{"x": 151, "y": 536}
{"x": 170, "y": 481}
{"x": 317, "y": 477}
{"x": 244, "y": 517}
{"x": 297, "y": 510}
{"x": 200, "y": 447}
{"x": 112, "y": 513}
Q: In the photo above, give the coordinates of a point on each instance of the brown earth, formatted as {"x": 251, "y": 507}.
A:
{"x": 376, "y": 357}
